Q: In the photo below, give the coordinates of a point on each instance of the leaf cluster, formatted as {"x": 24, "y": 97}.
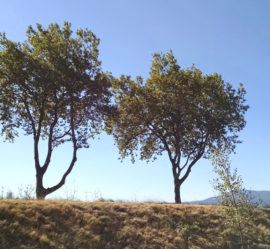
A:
{"x": 180, "y": 111}
{"x": 51, "y": 83}
{"x": 239, "y": 211}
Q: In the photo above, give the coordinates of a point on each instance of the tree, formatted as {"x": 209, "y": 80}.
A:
{"x": 239, "y": 211}
{"x": 180, "y": 112}
{"x": 52, "y": 88}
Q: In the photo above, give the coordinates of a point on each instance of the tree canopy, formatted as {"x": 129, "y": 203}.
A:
{"x": 181, "y": 112}
{"x": 52, "y": 87}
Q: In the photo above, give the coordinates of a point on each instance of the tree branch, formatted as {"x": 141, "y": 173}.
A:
{"x": 188, "y": 157}
{"x": 194, "y": 161}
{"x": 62, "y": 136}
{"x": 74, "y": 157}
{"x": 50, "y": 142}
{"x": 62, "y": 182}
{"x": 30, "y": 117}
{"x": 163, "y": 140}
{"x": 36, "y": 136}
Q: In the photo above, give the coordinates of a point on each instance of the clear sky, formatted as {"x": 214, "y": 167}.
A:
{"x": 225, "y": 36}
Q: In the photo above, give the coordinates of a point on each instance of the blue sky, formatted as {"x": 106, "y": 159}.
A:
{"x": 226, "y": 36}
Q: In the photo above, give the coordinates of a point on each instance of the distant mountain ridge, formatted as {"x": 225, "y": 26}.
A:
{"x": 260, "y": 197}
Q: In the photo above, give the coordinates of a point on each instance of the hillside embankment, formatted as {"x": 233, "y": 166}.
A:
{"x": 26, "y": 224}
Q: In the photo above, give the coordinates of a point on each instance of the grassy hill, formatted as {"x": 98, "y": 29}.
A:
{"x": 70, "y": 225}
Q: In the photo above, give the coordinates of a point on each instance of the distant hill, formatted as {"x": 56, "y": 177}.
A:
{"x": 260, "y": 197}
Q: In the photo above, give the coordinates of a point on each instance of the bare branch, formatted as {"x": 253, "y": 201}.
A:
{"x": 187, "y": 160}
{"x": 163, "y": 140}
{"x": 50, "y": 142}
{"x": 63, "y": 179}
{"x": 194, "y": 161}
{"x": 30, "y": 118}
{"x": 74, "y": 157}
{"x": 62, "y": 136}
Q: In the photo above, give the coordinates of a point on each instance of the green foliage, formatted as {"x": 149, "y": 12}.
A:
{"x": 239, "y": 212}
{"x": 170, "y": 222}
{"x": 45, "y": 78}
{"x": 52, "y": 87}
{"x": 181, "y": 112}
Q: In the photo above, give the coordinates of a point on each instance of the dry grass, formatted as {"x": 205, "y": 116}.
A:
{"x": 100, "y": 225}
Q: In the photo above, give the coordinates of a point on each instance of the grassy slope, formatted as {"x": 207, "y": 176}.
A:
{"x": 72, "y": 225}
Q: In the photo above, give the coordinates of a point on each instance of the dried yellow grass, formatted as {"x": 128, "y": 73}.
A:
{"x": 71, "y": 225}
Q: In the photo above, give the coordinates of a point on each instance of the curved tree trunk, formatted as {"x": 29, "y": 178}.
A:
{"x": 177, "y": 196}
{"x": 40, "y": 190}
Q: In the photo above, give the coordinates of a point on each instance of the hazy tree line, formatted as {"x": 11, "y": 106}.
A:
{"x": 53, "y": 88}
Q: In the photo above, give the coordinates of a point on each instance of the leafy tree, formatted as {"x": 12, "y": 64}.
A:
{"x": 181, "y": 112}
{"x": 239, "y": 211}
{"x": 52, "y": 88}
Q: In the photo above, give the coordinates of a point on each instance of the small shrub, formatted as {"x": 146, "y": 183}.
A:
{"x": 26, "y": 193}
{"x": 170, "y": 222}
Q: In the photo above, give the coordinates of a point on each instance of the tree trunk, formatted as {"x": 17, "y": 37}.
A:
{"x": 177, "y": 191}
{"x": 40, "y": 190}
